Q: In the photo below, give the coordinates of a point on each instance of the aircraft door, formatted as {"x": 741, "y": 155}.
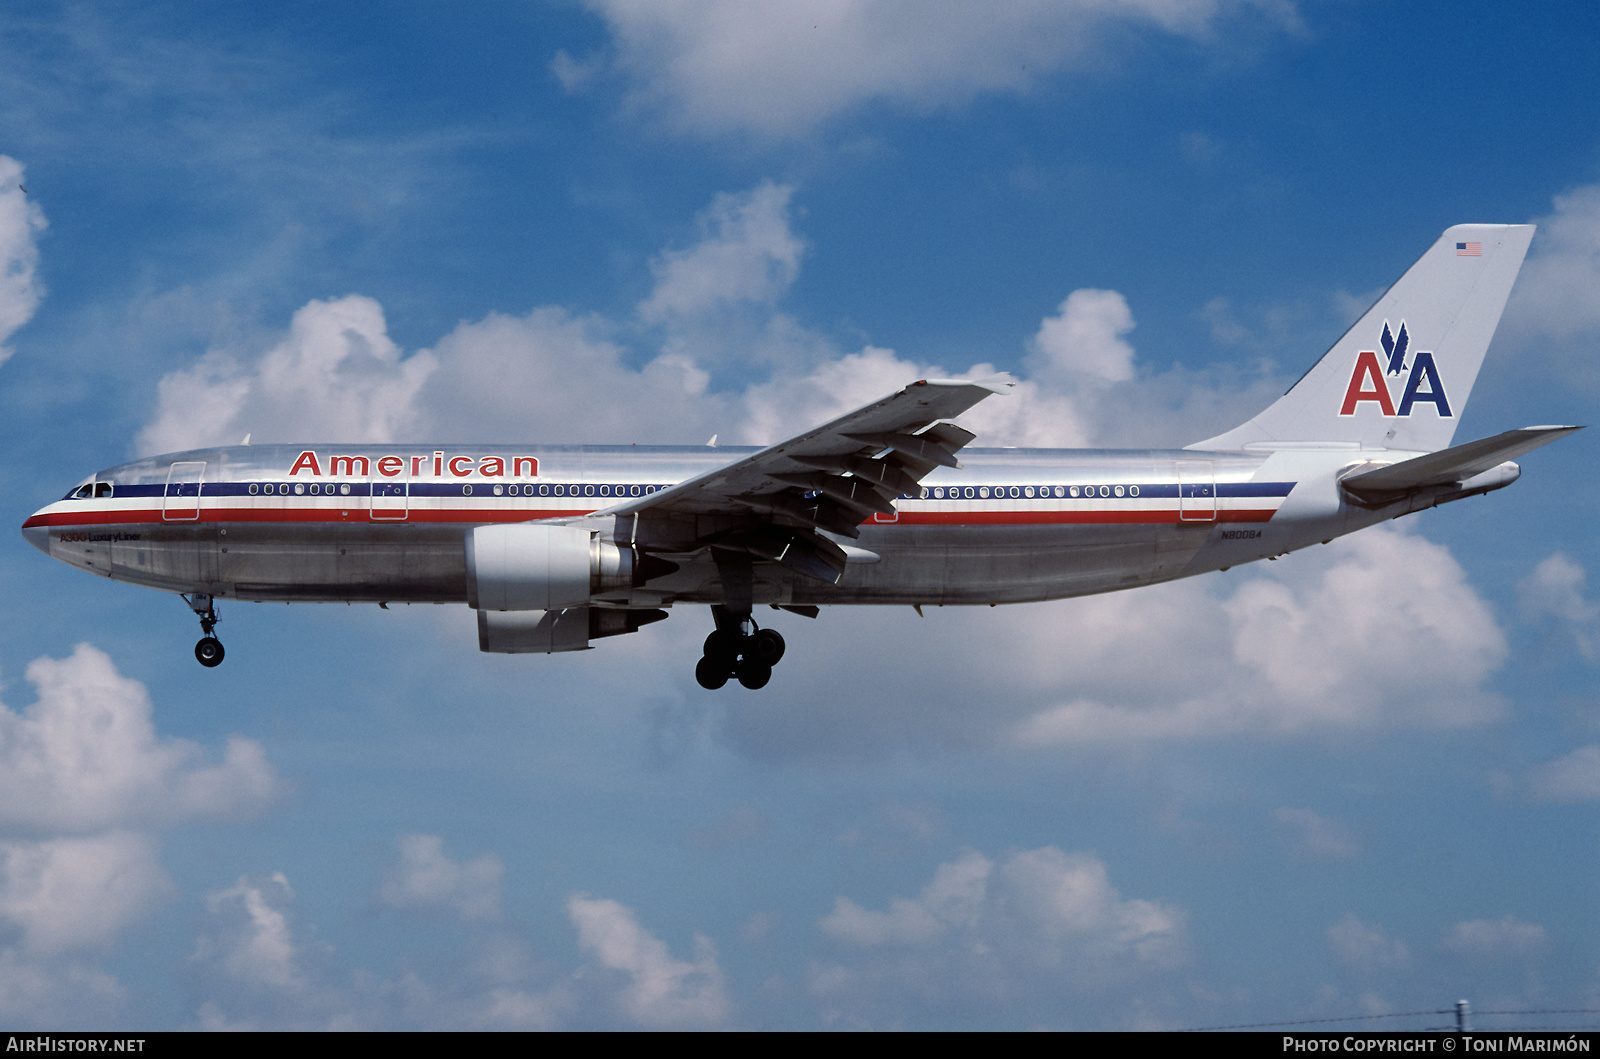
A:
{"x": 181, "y": 503}
{"x": 1197, "y": 491}
{"x": 387, "y": 500}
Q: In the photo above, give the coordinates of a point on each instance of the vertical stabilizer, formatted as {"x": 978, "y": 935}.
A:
{"x": 1400, "y": 377}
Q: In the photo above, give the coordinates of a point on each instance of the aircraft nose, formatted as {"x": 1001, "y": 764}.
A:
{"x": 37, "y": 534}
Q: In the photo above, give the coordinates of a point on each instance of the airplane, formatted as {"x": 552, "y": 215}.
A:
{"x": 557, "y": 546}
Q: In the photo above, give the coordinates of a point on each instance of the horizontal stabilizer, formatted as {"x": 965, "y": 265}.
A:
{"x": 1451, "y": 465}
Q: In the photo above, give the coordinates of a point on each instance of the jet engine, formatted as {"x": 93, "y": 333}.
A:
{"x": 532, "y": 567}
{"x": 530, "y": 585}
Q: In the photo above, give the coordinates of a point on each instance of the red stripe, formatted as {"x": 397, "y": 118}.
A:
{"x": 231, "y": 515}
{"x": 1023, "y": 518}
{"x": 431, "y": 515}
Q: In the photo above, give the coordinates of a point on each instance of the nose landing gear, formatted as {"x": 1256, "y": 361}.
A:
{"x": 738, "y": 649}
{"x": 208, "y": 652}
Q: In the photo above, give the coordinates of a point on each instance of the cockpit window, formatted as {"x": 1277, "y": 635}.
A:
{"x": 83, "y": 492}
{"x": 102, "y": 489}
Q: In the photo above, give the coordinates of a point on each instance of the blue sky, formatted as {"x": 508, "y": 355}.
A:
{"x": 1358, "y": 780}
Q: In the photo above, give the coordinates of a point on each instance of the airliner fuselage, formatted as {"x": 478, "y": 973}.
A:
{"x": 1009, "y": 526}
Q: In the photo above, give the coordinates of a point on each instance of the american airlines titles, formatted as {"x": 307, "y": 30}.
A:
{"x": 438, "y": 466}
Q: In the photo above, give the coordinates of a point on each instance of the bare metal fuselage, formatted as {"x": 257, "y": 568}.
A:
{"x": 1011, "y": 525}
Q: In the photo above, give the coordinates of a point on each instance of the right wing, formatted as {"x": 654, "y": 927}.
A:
{"x": 780, "y": 504}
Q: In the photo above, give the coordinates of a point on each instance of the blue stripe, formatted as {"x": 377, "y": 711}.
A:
{"x": 1147, "y": 490}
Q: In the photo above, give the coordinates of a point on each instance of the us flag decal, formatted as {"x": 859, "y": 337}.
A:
{"x": 1469, "y": 249}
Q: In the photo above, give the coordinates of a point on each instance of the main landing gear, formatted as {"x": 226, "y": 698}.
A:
{"x": 208, "y": 652}
{"x": 737, "y": 648}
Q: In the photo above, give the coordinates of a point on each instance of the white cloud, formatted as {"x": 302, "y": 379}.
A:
{"x": 659, "y": 989}
{"x": 1392, "y": 600}
{"x": 1506, "y": 936}
{"x": 1226, "y": 330}
{"x": 1365, "y": 948}
{"x": 36, "y": 992}
{"x": 1318, "y": 835}
{"x": 771, "y": 411}
{"x": 426, "y": 878}
{"x": 986, "y": 932}
{"x": 250, "y": 939}
{"x": 1084, "y": 341}
{"x": 1556, "y": 589}
{"x": 336, "y": 376}
{"x": 1386, "y": 634}
{"x": 255, "y": 967}
{"x": 85, "y": 782}
{"x": 76, "y": 893}
{"x": 21, "y": 220}
{"x": 85, "y": 758}
{"x": 746, "y": 253}
{"x": 952, "y": 899}
{"x": 783, "y": 68}
{"x": 1380, "y": 631}
{"x": 552, "y": 377}
{"x": 259, "y": 966}
{"x": 1558, "y": 293}
{"x": 1573, "y": 777}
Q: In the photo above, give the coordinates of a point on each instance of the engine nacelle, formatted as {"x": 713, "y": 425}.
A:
{"x": 550, "y": 631}
{"x": 527, "y": 567}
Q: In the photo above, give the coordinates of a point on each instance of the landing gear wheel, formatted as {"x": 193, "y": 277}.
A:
{"x": 208, "y": 652}
{"x": 723, "y": 647}
{"x": 753, "y": 674}
{"x": 768, "y": 647}
{"x": 711, "y": 673}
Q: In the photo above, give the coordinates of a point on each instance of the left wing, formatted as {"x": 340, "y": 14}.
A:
{"x": 778, "y": 504}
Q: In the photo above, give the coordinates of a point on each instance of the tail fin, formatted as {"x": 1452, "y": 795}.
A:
{"x": 1400, "y": 377}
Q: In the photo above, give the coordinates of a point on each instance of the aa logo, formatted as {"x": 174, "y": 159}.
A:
{"x": 1369, "y": 381}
